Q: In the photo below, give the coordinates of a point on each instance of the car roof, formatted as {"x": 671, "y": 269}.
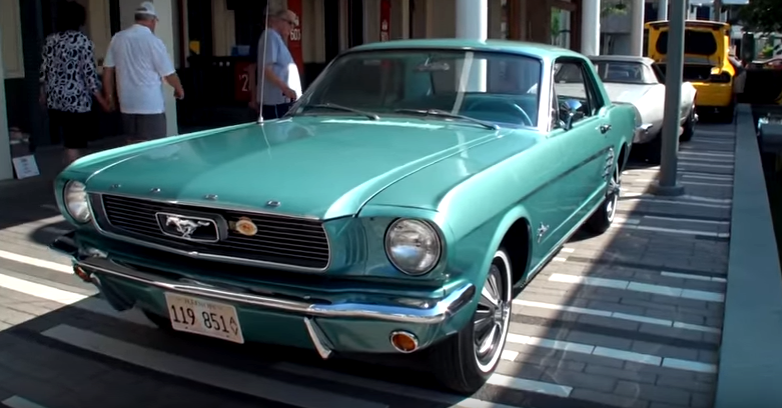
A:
{"x": 517, "y": 47}
{"x": 622, "y": 58}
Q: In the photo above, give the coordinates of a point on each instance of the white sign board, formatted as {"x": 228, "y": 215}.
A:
{"x": 25, "y": 166}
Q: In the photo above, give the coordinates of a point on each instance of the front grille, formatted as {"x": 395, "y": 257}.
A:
{"x": 280, "y": 240}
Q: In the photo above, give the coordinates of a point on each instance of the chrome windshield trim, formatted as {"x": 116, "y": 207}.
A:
{"x": 204, "y": 255}
{"x": 437, "y": 313}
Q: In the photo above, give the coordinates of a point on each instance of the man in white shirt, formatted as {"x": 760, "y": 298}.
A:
{"x": 282, "y": 82}
{"x": 139, "y": 61}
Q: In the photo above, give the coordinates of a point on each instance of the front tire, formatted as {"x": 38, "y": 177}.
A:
{"x": 689, "y": 127}
{"x": 602, "y": 219}
{"x": 464, "y": 361}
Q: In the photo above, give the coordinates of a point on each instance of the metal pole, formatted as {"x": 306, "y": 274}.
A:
{"x": 662, "y": 10}
{"x": 716, "y": 8}
{"x": 637, "y": 29}
{"x": 6, "y": 167}
{"x": 666, "y": 184}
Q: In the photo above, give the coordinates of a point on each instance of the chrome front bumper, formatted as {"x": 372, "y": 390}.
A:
{"x": 429, "y": 312}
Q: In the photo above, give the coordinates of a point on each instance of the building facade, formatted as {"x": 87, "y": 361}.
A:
{"x": 209, "y": 42}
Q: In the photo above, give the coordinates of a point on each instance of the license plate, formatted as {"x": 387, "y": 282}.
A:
{"x": 204, "y": 317}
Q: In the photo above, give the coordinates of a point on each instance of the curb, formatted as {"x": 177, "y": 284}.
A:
{"x": 750, "y": 371}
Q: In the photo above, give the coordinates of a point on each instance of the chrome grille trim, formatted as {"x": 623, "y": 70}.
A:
{"x": 283, "y": 242}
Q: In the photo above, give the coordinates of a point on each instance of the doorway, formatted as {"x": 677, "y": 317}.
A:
{"x": 355, "y": 23}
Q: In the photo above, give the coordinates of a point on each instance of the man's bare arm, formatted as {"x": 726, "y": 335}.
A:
{"x": 108, "y": 85}
{"x": 174, "y": 81}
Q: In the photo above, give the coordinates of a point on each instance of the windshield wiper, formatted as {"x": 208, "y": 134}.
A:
{"x": 370, "y": 115}
{"x": 444, "y": 114}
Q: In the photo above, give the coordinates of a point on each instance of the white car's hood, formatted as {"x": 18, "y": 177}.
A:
{"x": 628, "y": 93}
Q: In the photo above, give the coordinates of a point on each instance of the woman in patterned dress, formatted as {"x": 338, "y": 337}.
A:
{"x": 69, "y": 80}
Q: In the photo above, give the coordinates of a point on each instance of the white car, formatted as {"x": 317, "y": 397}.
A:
{"x": 637, "y": 80}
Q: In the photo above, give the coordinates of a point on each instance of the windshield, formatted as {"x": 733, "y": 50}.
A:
{"x": 491, "y": 87}
{"x": 625, "y": 72}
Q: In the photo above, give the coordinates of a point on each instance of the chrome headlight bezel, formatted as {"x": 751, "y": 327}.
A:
{"x": 433, "y": 236}
{"x": 75, "y": 201}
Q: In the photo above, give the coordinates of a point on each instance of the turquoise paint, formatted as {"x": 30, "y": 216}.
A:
{"x": 359, "y": 175}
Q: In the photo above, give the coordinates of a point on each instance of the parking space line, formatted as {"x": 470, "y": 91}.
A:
{"x": 678, "y": 219}
{"x": 697, "y": 183}
{"x": 40, "y": 291}
{"x": 228, "y": 379}
{"x": 638, "y": 287}
{"x": 672, "y": 231}
{"x": 19, "y": 402}
{"x": 608, "y": 352}
{"x": 687, "y": 153}
{"x": 36, "y": 262}
{"x": 530, "y": 385}
{"x": 706, "y": 176}
{"x": 386, "y": 387}
{"x": 615, "y": 315}
{"x": 687, "y": 203}
{"x": 693, "y": 277}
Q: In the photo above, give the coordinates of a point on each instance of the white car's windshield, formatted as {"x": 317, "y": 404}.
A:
{"x": 624, "y": 72}
{"x": 488, "y": 87}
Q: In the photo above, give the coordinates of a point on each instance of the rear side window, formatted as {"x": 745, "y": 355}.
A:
{"x": 695, "y": 42}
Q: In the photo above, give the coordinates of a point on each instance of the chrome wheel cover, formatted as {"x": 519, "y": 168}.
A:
{"x": 492, "y": 317}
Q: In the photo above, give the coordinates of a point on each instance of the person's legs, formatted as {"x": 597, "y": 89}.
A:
{"x": 151, "y": 127}
{"x": 74, "y": 134}
{"x": 55, "y": 127}
{"x": 129, "y": 128}
{"x": 275, "y": 111}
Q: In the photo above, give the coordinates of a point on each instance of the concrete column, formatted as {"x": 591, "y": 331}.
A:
{"x": 404, "y": 10}
{"x": 6, "y": 169}
{"x": 166, "y": 10}
{"x": 637, "y": 28}
{"x": 472, "y": 22}
{"x": 590, "y": 27}
{"x": 662, "y": 10}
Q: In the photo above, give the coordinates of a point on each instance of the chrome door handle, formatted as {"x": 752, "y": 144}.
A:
{"x": 604, "y": 128}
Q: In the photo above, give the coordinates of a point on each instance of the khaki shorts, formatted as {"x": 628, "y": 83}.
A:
{"x": 139, "y": 128}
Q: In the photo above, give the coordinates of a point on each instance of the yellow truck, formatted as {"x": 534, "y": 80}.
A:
{"x": 708, "y": 65}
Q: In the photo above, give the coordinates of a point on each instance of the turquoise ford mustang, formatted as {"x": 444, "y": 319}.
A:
{"x": 392, "y": 210}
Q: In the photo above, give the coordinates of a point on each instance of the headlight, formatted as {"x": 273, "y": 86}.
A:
{"x": 413, "y": 246}
{"x": 75, "y": 200}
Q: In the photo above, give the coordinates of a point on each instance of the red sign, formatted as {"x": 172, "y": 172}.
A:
{"x": 242, "y": 81}
{"x": 294, "y": 40}
{"x": 385, "y": 20}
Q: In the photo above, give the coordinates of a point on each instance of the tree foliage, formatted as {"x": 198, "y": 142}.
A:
{"x": 764, "y": 16}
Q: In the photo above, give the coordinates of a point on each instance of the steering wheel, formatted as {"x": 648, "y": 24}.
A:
{"x": 503, "y": 106}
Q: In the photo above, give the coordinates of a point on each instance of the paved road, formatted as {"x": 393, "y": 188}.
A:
{"x": 629, "y": 319}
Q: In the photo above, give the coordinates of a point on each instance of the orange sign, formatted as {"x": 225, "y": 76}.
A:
{"x": 385, "y": 20}
{"x": 294, "y": 40}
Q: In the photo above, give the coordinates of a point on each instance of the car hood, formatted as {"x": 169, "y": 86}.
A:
{"x": 628, "y": 93}
{"x": 323, "y": 167}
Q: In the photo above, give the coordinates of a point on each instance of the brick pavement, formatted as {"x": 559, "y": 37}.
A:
{"x": 631, "y": 318}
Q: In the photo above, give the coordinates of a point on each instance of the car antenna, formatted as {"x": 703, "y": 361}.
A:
{"x": 263, "y": 61}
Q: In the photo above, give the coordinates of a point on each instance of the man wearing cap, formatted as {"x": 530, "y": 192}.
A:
{"x": 281, "y": 84}
{"x": 139, "y": 61}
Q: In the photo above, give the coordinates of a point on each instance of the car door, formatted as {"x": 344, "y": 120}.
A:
{"x": 585, "y": 129}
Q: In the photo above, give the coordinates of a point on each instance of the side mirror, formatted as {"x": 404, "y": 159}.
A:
{"x": 572, "y": 110}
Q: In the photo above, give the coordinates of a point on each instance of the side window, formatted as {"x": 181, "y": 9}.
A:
{"x": 575, "y": 91}
{"x": 572, "y": 92}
